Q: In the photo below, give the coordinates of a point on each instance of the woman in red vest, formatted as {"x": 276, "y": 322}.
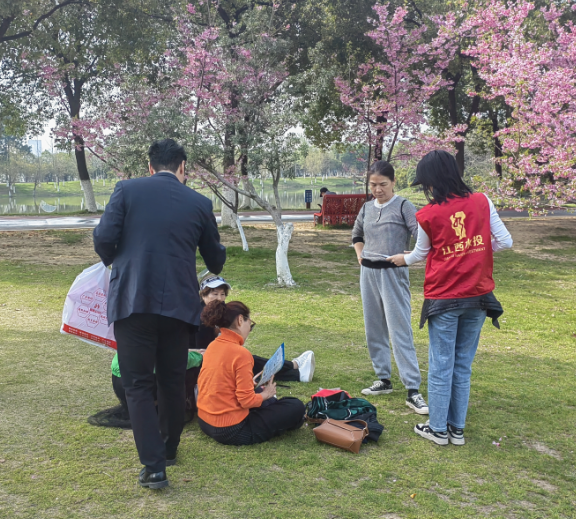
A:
{"x": 457, "y": 232}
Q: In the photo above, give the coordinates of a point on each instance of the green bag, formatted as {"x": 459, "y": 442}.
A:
{"x": 322, "y": 408}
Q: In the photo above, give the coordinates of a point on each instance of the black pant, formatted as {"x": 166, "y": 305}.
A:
{"x": 261, "y": 424}
{"x": 119, "y": 392}
{"x": 287, "y": 373}
{"x": 191, "y": 381}
{"x": 145, "y": 342}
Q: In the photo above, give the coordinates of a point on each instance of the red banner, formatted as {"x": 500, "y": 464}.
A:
{"x": 89, "y": 336}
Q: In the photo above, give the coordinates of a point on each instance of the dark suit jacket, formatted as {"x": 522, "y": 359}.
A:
{"x": 150, "y": 231}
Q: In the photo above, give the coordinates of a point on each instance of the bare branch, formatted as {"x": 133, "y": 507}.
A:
{"x": 4, "y": 27}
{"x": 204, "y": 165}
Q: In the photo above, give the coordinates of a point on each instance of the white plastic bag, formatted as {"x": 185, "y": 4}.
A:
{"x": 85, "y": 307}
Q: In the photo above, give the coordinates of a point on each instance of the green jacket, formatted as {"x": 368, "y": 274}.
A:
{"x": 194, "y": 360}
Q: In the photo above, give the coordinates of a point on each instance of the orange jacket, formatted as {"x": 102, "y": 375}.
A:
{"x": 225, "y": 387}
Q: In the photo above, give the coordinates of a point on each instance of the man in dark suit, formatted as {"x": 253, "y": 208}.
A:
{"x": 149, "y": 233}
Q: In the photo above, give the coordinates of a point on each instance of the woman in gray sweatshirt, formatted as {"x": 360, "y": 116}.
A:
{"x": 382, "y": 229}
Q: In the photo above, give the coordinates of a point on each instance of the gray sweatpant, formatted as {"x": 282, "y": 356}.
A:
{"x": 387, "y": 312}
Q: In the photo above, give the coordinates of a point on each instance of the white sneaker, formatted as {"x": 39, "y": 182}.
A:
{"x": 306, "y": 365}
{"x": 423, "y": 429}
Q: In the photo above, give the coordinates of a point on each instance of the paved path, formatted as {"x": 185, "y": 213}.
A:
{"x": 33, "y": 223}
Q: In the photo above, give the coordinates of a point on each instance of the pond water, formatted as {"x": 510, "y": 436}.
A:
{"x": 46, "y": 205}
{"x": 291, "y": 196}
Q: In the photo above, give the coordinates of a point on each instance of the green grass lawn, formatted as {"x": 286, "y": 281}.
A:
{"x": 48, "y": 189}
{"x": 53, "y": 464}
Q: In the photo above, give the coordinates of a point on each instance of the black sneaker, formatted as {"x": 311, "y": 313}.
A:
{"x": 378, "y": 388}
{"x": 423, "y": 429}
{"x": 455, "y": 435}
{"x": 417, "y": 403}
{"x": 153, "y": 480}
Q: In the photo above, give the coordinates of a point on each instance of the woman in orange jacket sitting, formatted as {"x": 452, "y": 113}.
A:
{"x": 229, "y": 409}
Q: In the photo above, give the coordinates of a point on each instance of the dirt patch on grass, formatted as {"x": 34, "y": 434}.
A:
{"x": 544, "y": 238}
{"x": 551, "y": 238}
{"x": 305, "y": 237}
{"x": 73, "y": 247}
{"x": 544, "y": 485}
{"x": 544, "y": 449}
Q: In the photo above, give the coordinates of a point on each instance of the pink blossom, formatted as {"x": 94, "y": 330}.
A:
{"x": 537, "y": 80}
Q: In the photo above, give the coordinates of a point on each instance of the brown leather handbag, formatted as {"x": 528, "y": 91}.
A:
{"x": 341, "y": 434}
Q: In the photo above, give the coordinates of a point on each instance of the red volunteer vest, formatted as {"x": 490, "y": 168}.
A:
{"x": 460, "y": 260}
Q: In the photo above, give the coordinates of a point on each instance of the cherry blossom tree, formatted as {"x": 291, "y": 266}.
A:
{"x": 241, "y": 113}
{"x": 528, "y": 58}
{"x": 81, "y": 53}
{"x": 225, "y": 99}
{"x": 389, "y": 97}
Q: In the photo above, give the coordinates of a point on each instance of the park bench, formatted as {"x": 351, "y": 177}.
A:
{"x": 339, "y": 210}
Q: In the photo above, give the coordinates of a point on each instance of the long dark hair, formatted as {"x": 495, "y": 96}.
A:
{"x": 439, "y": 175}
{"x": 221, "y": 314}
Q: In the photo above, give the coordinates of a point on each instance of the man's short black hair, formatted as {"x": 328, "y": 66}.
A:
{"x": 323, "y": 190}
{"x": 166, "y": 155}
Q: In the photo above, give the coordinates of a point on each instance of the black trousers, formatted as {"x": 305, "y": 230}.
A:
{"x": 191, "y": 381}
{"x": 261, "y": 424}
{"x": 119, "y": 391}
{"x": 145, "y": 342}
{"x": 287, "y": 373}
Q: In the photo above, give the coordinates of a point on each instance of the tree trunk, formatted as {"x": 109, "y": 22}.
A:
{"x": 242, "y": 235}
{"x": 229, "y": 217}
{"x": 284, "y": 234}
{"x": 452, "y": 111}
{"x": 368, "y": 164}
{"x": 378, "y": 152}
{"x": 460, "y": 156}
{"x": 497, "y": 143}
{"x": 74, "y": 95}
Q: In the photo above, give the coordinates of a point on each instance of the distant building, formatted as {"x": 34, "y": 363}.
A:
{"x": 36, "y": 146}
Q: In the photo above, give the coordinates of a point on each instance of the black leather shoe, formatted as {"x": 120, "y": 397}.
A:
{"x": 153, "y": 480}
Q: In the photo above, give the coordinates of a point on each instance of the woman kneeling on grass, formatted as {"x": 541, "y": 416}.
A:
{"x": 457, "y": 231}
{"x": 229, "y": 409}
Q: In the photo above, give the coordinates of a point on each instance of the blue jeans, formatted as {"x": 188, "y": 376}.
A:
{"x": 454, "y": 337}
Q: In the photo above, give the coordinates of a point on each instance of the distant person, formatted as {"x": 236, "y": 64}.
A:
{"x": 215, "y": 288}
{"x": 458, "y": 232}
{"x": 383, "y": 228}
{"x": 229, "y": 409}
{"x": 324, "y": 191}
{"x": 150, "y": 231}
